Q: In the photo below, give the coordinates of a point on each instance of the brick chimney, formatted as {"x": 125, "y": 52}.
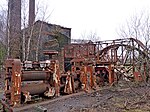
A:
{"x": 14, "y": 27}
{"x": 31, "y": 12}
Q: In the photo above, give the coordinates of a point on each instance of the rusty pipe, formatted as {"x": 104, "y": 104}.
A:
{"x": 35, "y": 89}
{"x": 34, "y": 75}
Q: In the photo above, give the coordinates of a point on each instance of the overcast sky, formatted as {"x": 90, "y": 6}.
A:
{"x": 103, "y": 17}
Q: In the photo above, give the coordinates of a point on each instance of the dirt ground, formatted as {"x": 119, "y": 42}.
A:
{"x": 122, "y": 97}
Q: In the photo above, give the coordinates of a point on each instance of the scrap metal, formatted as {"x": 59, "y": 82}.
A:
{"x": 91, "y": 64}
{"x": 22, "y": 83}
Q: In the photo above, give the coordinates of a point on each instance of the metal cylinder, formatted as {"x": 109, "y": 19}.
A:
{"x": 35, "y": 89}
{"x": 34, "y": 75}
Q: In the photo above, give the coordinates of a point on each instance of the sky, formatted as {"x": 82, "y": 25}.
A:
{"x": 102, "y": 17}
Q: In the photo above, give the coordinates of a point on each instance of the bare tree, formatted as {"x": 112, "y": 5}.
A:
{"x": 24, "y": 24}
{"x": 90, "y": 36}
{"x": 38, "y": 41}
{"x": 41, "y": 14}
{"x": 138, "y": 27}
{"x": 31, "y": 29}
{"x": 2, "y": 36}
{"x": 43, "y": 18}
{"x": 3, "y": 26}
{"x": 39, "y": 35}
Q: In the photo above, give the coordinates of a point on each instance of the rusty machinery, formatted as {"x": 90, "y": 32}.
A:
{"x": 24, "y": 81}
{"x": 82, "y": 71}
{"x": 124, "y": 57}
{"x": 84, "y": 62}
{"x": 121, "y": 58}
{"x": 82, "y": 59}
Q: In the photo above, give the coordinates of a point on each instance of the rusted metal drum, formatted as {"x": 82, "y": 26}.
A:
{"x": 35, "y": 89}
{"x": 34, "y": 75}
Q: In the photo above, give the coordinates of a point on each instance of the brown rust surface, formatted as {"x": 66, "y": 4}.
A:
{"x": 34, "y": 75}
{"x": 34, "y": 89}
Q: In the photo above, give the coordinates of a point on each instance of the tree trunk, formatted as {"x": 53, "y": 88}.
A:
{"x": 23, "y": 47}
{"x": 38, "y": 42}
{"x": 29, "y": 42}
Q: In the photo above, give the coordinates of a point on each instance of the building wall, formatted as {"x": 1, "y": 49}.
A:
{"x": 52, "y": 37}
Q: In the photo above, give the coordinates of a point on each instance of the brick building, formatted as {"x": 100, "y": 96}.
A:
{"x": 50, "y": 36}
